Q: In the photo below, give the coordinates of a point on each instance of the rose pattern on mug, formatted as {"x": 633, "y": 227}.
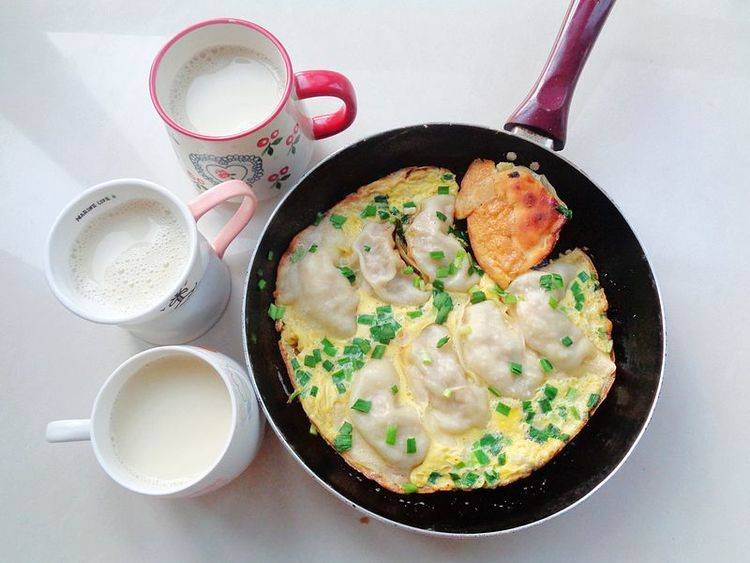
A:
{"x": 268, "y": 143}
{"x": 217, "y": 169}
{"x": 278, "y": 178}
{"x": 292, "y": 140}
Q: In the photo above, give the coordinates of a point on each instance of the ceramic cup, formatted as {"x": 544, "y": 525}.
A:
{"x": 271, "y": 156}
{"x": 190, "y": 307}
{"x": 242, "y": 442}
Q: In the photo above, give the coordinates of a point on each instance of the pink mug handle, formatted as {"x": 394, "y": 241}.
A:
{"x": 219, "y": 194}
{"x": 316, "y": 83}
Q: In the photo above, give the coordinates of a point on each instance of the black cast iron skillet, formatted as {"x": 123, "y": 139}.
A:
{"x": 635, "y": 307}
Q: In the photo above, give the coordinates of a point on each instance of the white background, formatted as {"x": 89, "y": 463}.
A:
{"x": 660, "y": 120}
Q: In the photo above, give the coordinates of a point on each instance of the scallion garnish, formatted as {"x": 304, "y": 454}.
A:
{"x": 447, "y": 177}
{"x": 583, "y": 276}
{"x": 310, "y": 361}
{"x": 368, "y": 211}
{"x": 328, "y": 365}
{"x": 443, "y": 304}
{"x": 434, "y": 476}
{"x": 568, "y": 213}
{"x": 551, "y": 281}
{"x": 410, "y": 204}
{"x": 362, "y": 405}
{"x": 394, "y": 389}
{"x": 503, "y": 409}
{"x": 390, "y": 435}
{"x": 566, "y": 341}
{"x": 411, "y": 445}
{"x": 343, "y": 440}
{"x": 348, "y": 273}
{"x": 571, "y": 393}
{"x": 362, "y": 343}
{"x": 437, "y": 254}
{"x": 554, "y": 303}
{"x": 366, "y": 319}
{"x": 337, "y": 221}
{"x": 261, "y": 284}
{"x": 318, "y": 218}
{"x": 414, "y": 314}
{"x": 546, "y": 365}
{"x": 378, "y": 351}
{"x": 575, "y": 413}
{"x": 409, "y": 488}
{"x": 443, "y": 341}
{"x": 313, "y": 248}
{"x": 501, "y": 459}
{"x": 516, "y": 368}
{"x": 527, "y": 407}
{"x": 550, "y": 391}
{"x": 494, "y": 391}
{"x": 276, "y": 312}
{"x": 481, "y": 457}
{"x": 440, "y": 215}
{"x": 477, "y": 297}
{"x": 367, "y": 248}
{"x": 545, "y": 405}
{"x": 593, "y": 400}
{"x": 270, "y": 255}
{"x": 314, "y": 391}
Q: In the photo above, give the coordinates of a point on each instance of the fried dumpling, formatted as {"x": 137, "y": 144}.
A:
{"x": 437, "y": 380}
{"x": 490, "y": 347}
{"x": 514, "y": 218}
{"x": 436, "y": 253}
{"x": 383, "y": 268}
{"x": 373, "y": 383}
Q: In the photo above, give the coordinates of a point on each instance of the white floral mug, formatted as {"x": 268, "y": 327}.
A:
{"x": 271, "y": 156}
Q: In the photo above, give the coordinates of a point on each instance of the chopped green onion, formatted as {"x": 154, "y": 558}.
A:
{"x": 593, "y": 400}
{"x": 348, "y": 273}
{"x": 390, "y": 435}
{"x": 414, "y": 314}
{"x": 381, "y": 198}
{"x": 571, "y": 393}
{"x": 575, "y": 413}
{"x": 408, "y": 270}
{"x": 566, "y": 341}
{"x": 303, "y": 377}
{"x": 297, "y": 255}
{"x": 434, "y": 476}
{"x": 477, "y": 297}
{"x": 343, "y": 440}
{"x": 313, "y": 248}
{"x": 411, "y": 445}
{"x": 527, "y": 407}
{"x": 328, "y": 347}
{"x": 366, "y": 319}
{"x": 568, "y": 213}
{"x": 537, "y": 435}
{"x": 447, "y": 177}
{"x": 394, "y": 389}
{"x": 545, "y": 405}
{"x": 367, "y": 248}
{"x": 554, "y": 303}
{"x": 550, "y": 392}
{"x": 328, "y": 365}
{"x": 276, "y": 312}
{"x": 437, "y": 254}
{"x": 440, "y": 215}
{"x": 362, "y": 405}
{"x": 583, "y": 276}
{"x": 318, "y": 218}
{"x": 362, "y": 343}
{"x": 481, "y": 457}
{"x": 426, "y": 360}
{"x": 313, "y": 430}
{"x": 494, "y": 391}
{"x": 409, "y": 488}
{"x": 295, "y": 363}
{"x": 261, "y": 284}
{"x": 314, "y": 391}
{"x": 442, "y": 271}
{"x": 503, "y": 409}
{"x": 469, "y": 479}
{"x": 501, "y": 459}
{"x": 410, "y": 204}
{"x": 270, "y": 255}
{"x": 443, "y": 303}
{"x": 337, "y": 221}
{"x": 341, "y": 388}
{"x": 546, "y": 365}
{"x": 443, "y": 341}
{"x": 437, "y": 284}
{"x": 443, "y": 190}
{"x": 516, "y": 368}
{"x": 368, "y": 211}
{"x": 378, "y": 351}
{"x": 310, "y": 361}
{"x": 551, "y": 281}
{"x": 487, "y": 440}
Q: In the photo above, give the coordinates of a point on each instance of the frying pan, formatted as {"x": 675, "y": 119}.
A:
{"x": 537, "y": 128}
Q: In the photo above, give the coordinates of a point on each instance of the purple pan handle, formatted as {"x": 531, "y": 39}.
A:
{"x": 545, "y": 109}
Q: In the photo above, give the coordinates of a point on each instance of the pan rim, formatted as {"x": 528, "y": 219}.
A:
{"x": 380, "y": 518}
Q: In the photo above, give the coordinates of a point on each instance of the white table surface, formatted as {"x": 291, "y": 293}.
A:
{"x": 659, "y": 120}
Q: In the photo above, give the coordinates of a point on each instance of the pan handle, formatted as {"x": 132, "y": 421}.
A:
{"x": 545, "y": 109}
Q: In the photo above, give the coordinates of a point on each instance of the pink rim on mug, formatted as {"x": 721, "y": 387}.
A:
{"x": 219, "y": 21}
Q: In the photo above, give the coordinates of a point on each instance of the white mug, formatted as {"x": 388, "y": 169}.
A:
{"x": 272, "y": 155}
{"x": 239, "y": 450}
{"x": 194, "y": 304}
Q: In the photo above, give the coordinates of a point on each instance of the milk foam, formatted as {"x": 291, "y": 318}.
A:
{"x": 225, "y": 90}
{"x": 128, "y": 259}
{"x": 170, "y": 421}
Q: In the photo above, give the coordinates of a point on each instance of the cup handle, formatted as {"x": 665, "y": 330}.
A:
{"x": 219, "y": 194}
{"x": 69, "y": 430}
{"x": 316, "y": 83}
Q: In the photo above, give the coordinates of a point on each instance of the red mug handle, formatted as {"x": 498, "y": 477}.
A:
{"x": 219, "y": 194}
{"x": 545, "y": 109}
{"x": 316, "y": 83}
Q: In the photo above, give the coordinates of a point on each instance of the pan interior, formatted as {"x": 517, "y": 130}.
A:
{"x": 596, "y": 225}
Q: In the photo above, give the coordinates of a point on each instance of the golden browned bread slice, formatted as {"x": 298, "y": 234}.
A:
{"x": 514, "y": 217}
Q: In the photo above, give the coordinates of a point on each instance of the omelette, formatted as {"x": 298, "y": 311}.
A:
{"x": 419, "y": 369}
